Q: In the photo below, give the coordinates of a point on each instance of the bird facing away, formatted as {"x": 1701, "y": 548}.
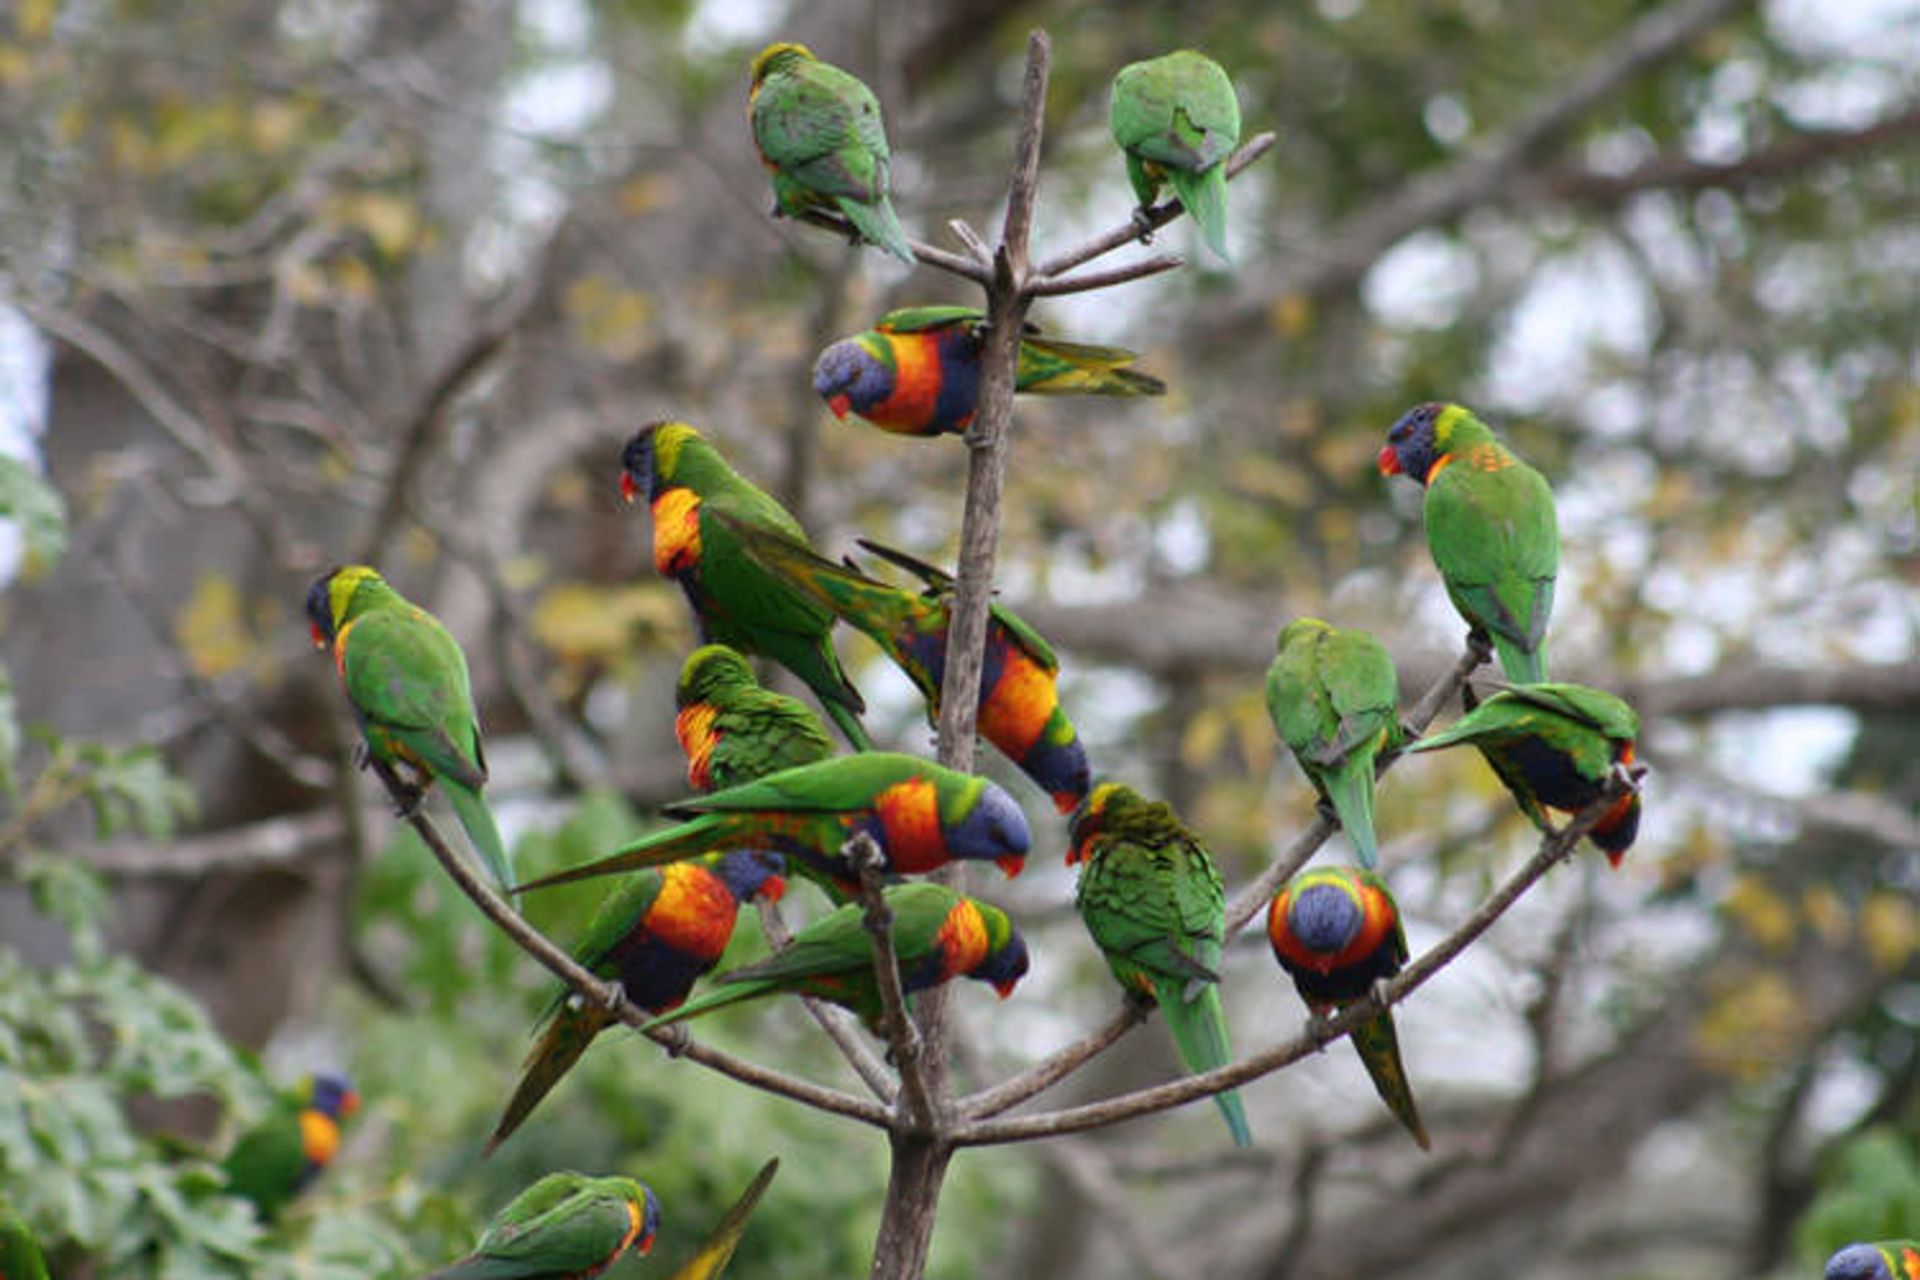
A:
{"x": 819, "y": 133}
{"x": 1334, "y": 698}
{"x": 688, "y": 485}
{"x": 1152, "y": 900}
{"x": 1177, "y": 120}
{"x": 917, "y": 371}
{"x": 406, "y": 680}
{"x": 732, "y": 730}
{"x": 566, "y": 1226}
{"x": 1336, "y": 930}
{"x": 1490, "y": 526}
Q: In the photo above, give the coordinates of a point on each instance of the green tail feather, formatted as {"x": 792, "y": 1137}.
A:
{"x": 878, "y": 224}
{"x": 477, "y": 819}
{"x": 565, "y": 1038}
{"x": 1379, "y": 1050}
{"x": 1521, "y": 667}
{"x": 674, "y": 844}
{"x": 1199, "y": 1028}
{"x": 718, "y": 996}
{"x": 1350, "y": 788}
{"x": 1205, "y": 198}
{"x": 849, "y": 725}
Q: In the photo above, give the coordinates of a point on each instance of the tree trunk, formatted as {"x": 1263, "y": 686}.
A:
{"x": 912, "y": 1204}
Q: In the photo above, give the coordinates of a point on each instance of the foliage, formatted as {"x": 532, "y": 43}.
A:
{"x": 1871, "y": 1191}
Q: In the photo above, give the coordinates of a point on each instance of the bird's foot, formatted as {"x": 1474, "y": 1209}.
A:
{"x": 1629, "y": 775}
{"x": 677, "y": 1039}
{"x": 1320, "y": 1030}
{"x": 1143, "y": 225}
{"x": 1481, "y": 646}
{"x": 407, "y": 800}
{"x": 1324, "y": 807}
{"x": 1382, "y": 993}
{"x": 359, "y": 756}
{"x": 613, "y": 997}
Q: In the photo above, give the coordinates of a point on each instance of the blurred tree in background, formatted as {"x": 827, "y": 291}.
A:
{"x": 295, "y": 283}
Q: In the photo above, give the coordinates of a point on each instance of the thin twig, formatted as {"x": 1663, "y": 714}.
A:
{"x": 933, "y": 256}
{"x": 1088, "y": 281}
{"x": 831, "y": 1018}
{"x": 916, "y": 1094}
{"x": 1050, "y": 1071}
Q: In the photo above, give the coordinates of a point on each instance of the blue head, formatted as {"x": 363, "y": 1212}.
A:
{"x": 993, "y": 830}
{"x": 1005, "y": 965}
{"x": 748, "y": 872}
{"x": 1060, "y": 768}
{"x": 1325, "y": 918}
{"x": 1858, "y": 1262}
{"x": 333, "y": 1095}
{"x": 1411, "y": 444}
{"x": 850, "y": 377}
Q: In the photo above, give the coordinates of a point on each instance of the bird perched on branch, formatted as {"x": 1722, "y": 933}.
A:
{"x": 732, "y": 730}
{"x": 1177, "y": 120}
{"x": 819, "y": 133}
{"x": 1334, "y": 699}
{"x": 564, "y": 1226}
{"x": 406, "y": 680}
{"x": 917, "y": 371}
{"x": 1556, "y": 746}
{"x": 919, "y": 814}
{"x": 281, "y": 1156}
{"x": 659, "y": 932}
{"x": 1490, "y": 526}
{"x": 737, "y": 602}
{"x": 1336, "y": 931}
{"x": 938, "y": 935}
{"x": 1152, "y": 900}
{"x": 1019, "y": 710}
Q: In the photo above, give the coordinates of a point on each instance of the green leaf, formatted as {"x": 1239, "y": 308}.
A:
{"x": 39, "y": 511}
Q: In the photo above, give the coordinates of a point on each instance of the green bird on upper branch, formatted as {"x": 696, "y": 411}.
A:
{"x": 281, "y": 1156}
{"x": 1177, "y": 120}
{"x": 1334, "y": 699}
{"x": 1019, "y": 711}
{"x": 20, "y": 1256}
{"x": 1491, "y": 528}
{"x": 566, "y": 1226}
{"x": 918, "y": 813}
{"x": 406, "y": 679}
{"x": 1152, "y": 900}
{"x": 1556, "y": 746}
{"x": 732, "y": 730}
{"x": 1337, "y": 932}
{"x": 938, "y": 935}
{"x": 917, "y": 371}
{"x": 1876, "y": 1260}
{"x": 738, "y": 602}
{"x": 819, "y": 133}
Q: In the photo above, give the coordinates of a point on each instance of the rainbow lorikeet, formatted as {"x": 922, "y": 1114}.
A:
{"x": 737, "y": 602}
{"x": 732, "y": 730}
{"x": 1556, "y": 746}
{"x": 938, "y": 935}
{"x": 1337, "y": 931}
{"x": 920, "y": 814}
{"x": 1876, "y": 1260}
{"x": 819, "y": 133}
{"x": 1020, "y": 711}
{"x": 658, "y": 933}
{"x": 280, "y": 1156}
{"x": 1152, "y": 899}
{"x": 563, "y": 1227}
{"x": 20, "y": 1256}
{"x": 1334, "y": 698}
{"x": 406, "y": 679}
{"x": 1177, "y": 120}
{"x": 1490, "y": 526}
{"x": 917, "y": 371}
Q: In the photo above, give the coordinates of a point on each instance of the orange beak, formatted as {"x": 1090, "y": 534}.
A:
{"x": 1012, "y": 864}
{"x": 349, "y": 1103}
{"x": 644, "y": 1245}
{"x": 1066, "y": 802}
{"x": 319, "y": 636}
{"x": 1389, "y": 461}
{"x": 773, "y": 888}
{"x": 1005, "y": 989}
{"x": 840, "y": 404}
{"x": 628, "y": 489}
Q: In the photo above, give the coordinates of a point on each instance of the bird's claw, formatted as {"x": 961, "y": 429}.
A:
{"x": 677, "y": 1040}
{"x": 359, "y": 756}
{"x": 1320, "y": 1030}
{"x": 1143, "y": 225}
{"x": 1629, "y": 775}
{"x": 1330, "y": 816}
{"x": 613, "y": 997}
{"x": 1382, "y": 994}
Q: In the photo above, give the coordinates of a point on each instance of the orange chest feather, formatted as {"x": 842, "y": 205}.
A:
{"x": 910, "y": 818}
{"x": 676, "y": 532}
{"x": 319, "y": 1136}
{"x": 1015, "y": 712}
{"x": 694, "y": 729}
{"x": 694, "y": 912}
{"x": 962, "y": 940}
{"x": 917, "y": 378}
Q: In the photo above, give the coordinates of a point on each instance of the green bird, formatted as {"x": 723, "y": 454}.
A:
{"x": 917, "y": 371}
{"x": 920, "y": 814}
{"x": 1337, "y": 932}
{"x": 1490, "y": 526}
{"x": 659, "y": 932}
{"x": 1177, "y": 120}
{"x": 281, "y": 1156}
{"x": 1876, "y": 1260}
{"x": 406, "y": 680}
{"x": 1556, "y": 746}
{"x": 566, "y": 1226}
{"x": 819, "y": 133}
{"x": 732, "y": 730}
{"x": 710, "y": 1260}
{"x": 1019, "y": 712}
{"x": 20, "y": 1257}
{"x": 1334, "y": 699}
{"x": 1152, "y": 900}
{"x": 737, "y": 601}
{"x": 938, "y": 935}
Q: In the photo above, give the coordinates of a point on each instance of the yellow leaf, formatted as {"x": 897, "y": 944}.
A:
{"x": 1291, "y": 316}
{"x": 33, "y": 20}
{"x": 1751, "y": 1028}
{"x": 1763, "y": 914}
{"x": 1826, "y": 913}
{"x": 211, "y": 628}
{"x": 1206, "y": 734}
{"x": 610, "y": 317}
{"x": 579, "y": 620}
{"x": 1890, "y": 926}
{"x": 392, "y": 222}
{"x": 644, "y": 194}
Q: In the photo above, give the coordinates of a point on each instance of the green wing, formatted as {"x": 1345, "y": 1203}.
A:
{"x": 563, "y": 1225}
{"x": 922, "y": 319}
{"x": 763, "y": 732}
{"x": 941, "y": 586}
{"x": 1496, "y": 541}
{"x": 822, "y": 127}
{"x": 839, "y": 785}
{"x": 1155, "y": 910}
{"x": 266, "y": 1163}
{"x": 407, "y": 677}
{"x": 1048, "y": 366}
{"x": 1178, "y": 111}
{"x": 1582, "y": 704}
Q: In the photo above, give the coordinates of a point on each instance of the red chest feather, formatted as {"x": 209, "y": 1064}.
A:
{"x": 695, "y": 911}
{"x": 676, "y": 532}
{"x": 910, "y": 817}
{"x": 1016, "y": 710}
{"x": 694, "y": 729}
{"x": 917, "y": 378}
{"x": 962, "y": 940}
